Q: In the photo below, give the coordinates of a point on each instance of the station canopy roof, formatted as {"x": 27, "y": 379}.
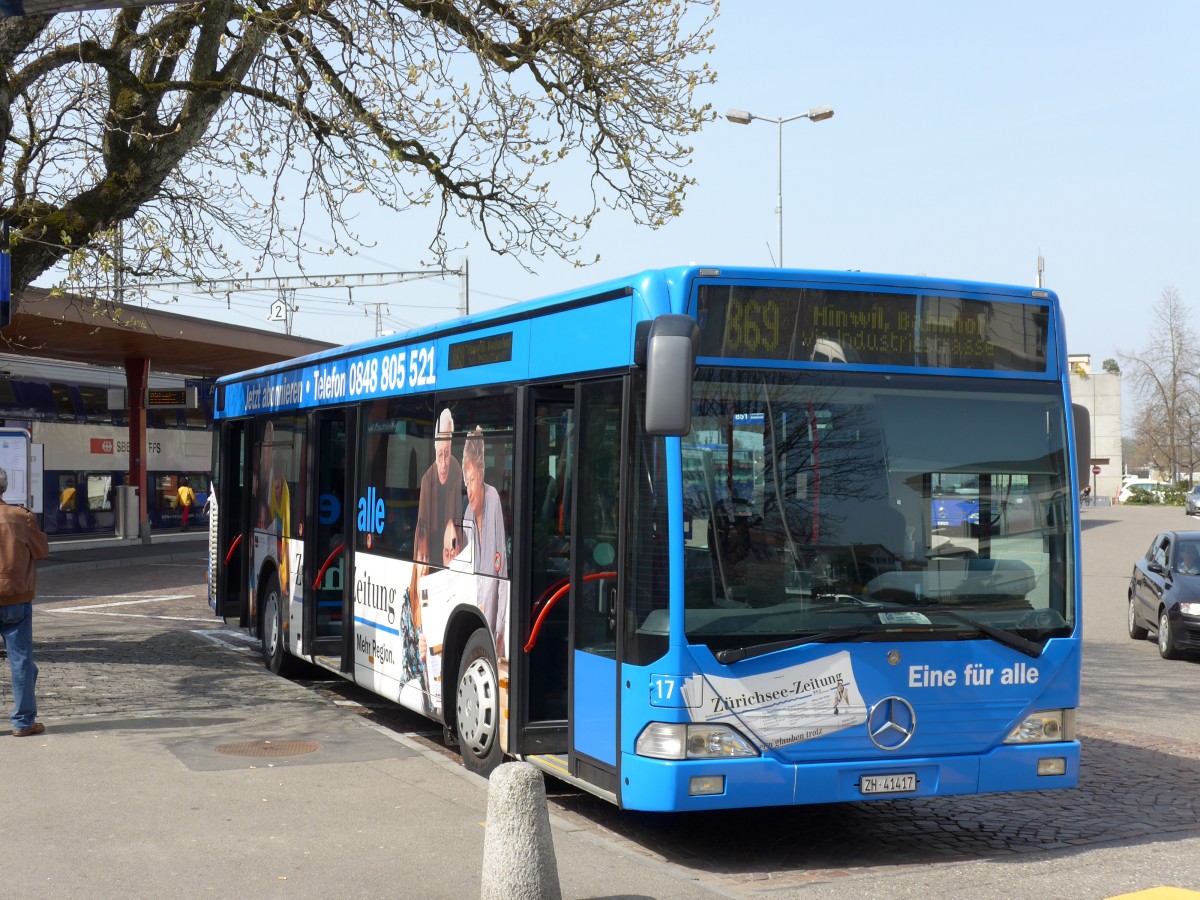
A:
{"x": 78, "y": 330}
{"x": 10, "y": 8}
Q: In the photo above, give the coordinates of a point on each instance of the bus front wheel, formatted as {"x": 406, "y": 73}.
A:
{"x": 477, "y": 705}
{"x": 274, "y": 650}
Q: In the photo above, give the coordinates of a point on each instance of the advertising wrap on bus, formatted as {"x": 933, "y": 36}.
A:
{"x": 845, "y": 567}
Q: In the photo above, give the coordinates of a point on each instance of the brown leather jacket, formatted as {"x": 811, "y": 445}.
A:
{"x": 21, "y": 543}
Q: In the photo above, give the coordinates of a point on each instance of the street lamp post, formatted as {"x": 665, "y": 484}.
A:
{"x": 816, "y": 114}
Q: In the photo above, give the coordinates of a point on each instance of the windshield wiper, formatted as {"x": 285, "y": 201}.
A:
{"x": 999, "y": 635}
{"x": 736, "y": 654}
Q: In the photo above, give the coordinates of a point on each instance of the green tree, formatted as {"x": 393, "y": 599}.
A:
{"x": 186, "y": 122}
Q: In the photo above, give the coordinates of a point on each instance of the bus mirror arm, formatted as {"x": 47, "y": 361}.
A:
{"x": 671, "y": 349}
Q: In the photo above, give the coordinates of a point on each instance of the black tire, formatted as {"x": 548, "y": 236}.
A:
{"x": 274, "y": 650}
{"x": 1166, "y": 637}
{"x": 477, "y": 705}
{"x": 1136, "y": 631}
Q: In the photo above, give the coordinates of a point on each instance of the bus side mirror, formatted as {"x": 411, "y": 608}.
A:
{"x": 1083, "y": 442}
{"x": 671, "y": 348}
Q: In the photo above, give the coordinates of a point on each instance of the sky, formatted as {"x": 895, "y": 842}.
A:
{"x": 967, "y": 140}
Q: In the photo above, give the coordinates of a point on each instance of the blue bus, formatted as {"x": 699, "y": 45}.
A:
{"x": 674, "y": 538}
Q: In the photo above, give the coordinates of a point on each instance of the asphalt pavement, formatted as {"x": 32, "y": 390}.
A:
{"x": 174, "y": 764}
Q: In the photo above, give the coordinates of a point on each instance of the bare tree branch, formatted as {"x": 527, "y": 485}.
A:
{"x": 186, "y": 122}
{"x": 1165, "y": 377}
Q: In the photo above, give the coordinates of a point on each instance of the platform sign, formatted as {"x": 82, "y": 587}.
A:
{"x": 15, "y": 460}
{"x": 173, "y": 398}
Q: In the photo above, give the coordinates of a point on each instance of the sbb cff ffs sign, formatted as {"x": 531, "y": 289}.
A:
{"x": 103, "y": 445}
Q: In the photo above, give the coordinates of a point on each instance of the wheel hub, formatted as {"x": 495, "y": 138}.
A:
{"x": 477, "y": 708}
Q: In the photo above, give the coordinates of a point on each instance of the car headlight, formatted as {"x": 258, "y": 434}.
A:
{"x": 1190, "y": 609}
{"x": 677, "y": 740}
{"x": 1043, "y": 727}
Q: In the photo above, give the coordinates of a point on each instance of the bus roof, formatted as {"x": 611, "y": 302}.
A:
{"x": 677, "y": 282}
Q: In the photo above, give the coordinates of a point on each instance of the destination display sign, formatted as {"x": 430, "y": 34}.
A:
{"x": 483, "y": 351}
{"x": 872, "y": 327}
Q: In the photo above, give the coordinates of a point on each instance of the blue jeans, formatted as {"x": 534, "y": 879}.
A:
{"x": 16, "y": 626}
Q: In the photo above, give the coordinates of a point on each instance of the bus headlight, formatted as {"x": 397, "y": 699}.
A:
{"x": 677, "y": 740}
{"x": 1043, "y": 727}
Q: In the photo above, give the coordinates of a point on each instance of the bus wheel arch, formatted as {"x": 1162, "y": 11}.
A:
{"x": 476, "y": 704}
{"x": 271, "y": 634}
{"x": 459, "y": 628}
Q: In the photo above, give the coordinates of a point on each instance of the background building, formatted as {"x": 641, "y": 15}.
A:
{"x": 1100, "y": 393}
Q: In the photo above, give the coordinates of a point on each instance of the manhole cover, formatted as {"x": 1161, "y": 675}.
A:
{"x": 261, "y": 749}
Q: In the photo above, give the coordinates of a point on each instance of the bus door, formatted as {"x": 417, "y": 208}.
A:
{"x": 326, "y": 552}
{"x": 233, "y": 523}
{"x": 545, "y": 629}
{"x": 595, "y": 557}
{"x": 570, "y": 707}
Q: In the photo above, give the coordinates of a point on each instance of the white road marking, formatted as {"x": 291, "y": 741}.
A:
{"x": 106, "y": 609}
{"x": 219, "y": 637}
{"x": 156, "y": 599}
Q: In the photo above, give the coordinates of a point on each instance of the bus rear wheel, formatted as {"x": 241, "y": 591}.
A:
{"x": 274, "y": 650}
{"x": 477, "y": 705}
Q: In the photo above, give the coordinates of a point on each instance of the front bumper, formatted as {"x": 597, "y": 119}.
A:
{"x": 662, "y": 785}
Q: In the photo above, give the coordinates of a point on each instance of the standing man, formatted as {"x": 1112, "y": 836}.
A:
{"x": 21, "y": 544}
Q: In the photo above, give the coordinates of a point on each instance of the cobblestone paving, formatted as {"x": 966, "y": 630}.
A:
{"x": 133, "y": 653}
{"x": 1132, "y": 786}
{"x": 156, "y": 657}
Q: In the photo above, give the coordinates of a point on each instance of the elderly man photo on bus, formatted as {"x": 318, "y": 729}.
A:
{"x": 483, "y": 524}
{"x": 21, "y": 544}
{"x": 440, "y": 499}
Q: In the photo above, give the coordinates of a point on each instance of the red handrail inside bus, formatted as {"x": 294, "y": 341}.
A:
{"x": 563, "y": 587}
{"x": 332, "y": 556}
{"x": 537, "y": 604}
{"x": 228, "y": 556}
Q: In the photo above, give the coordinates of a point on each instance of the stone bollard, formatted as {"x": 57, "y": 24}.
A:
{"x": 518, "y": 851}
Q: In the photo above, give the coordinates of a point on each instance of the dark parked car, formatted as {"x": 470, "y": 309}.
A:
{"x": 1191, "y": 503}
{"x": 1164, "y": 593}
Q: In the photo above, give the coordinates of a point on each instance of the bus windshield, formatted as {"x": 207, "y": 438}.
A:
{"x": 850, "y": 506}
